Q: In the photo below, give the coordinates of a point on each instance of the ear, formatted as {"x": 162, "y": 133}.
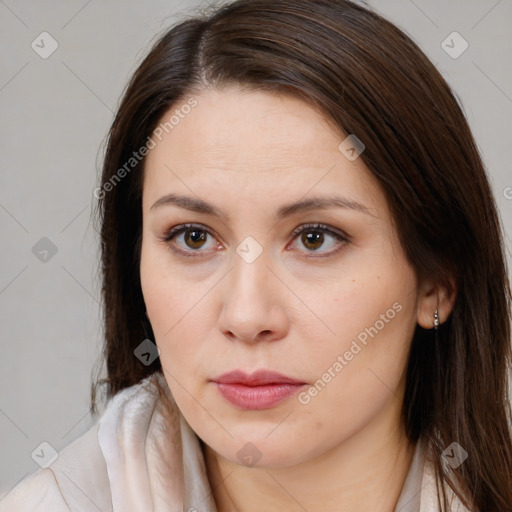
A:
{"x": 434, "y": 296}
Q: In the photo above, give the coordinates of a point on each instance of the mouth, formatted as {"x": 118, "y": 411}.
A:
{"x": 262, "y": 389}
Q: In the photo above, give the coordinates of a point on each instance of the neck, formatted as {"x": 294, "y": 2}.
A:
{"x": 365, "y": 472}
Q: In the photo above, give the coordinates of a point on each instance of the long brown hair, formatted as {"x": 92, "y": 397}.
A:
{"x": 371, "y": 80}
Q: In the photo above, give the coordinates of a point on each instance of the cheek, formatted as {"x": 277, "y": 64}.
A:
{"x": 352, "y": 381}
{"x": 166, "y": 302}
{"x": 166, "y": 294}
{"x": 179, "y": 311}
{"x": 371, "y": 319}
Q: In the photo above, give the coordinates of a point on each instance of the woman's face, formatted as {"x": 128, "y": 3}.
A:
{"x": 253, "y": 286}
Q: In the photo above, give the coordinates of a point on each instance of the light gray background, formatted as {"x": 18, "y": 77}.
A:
{"x": 55, "y": 114}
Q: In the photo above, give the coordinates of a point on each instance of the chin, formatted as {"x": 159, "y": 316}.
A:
{"x": 254, "y": 447}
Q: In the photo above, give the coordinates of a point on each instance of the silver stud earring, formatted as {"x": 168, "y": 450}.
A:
{"x": 436, "y": 319}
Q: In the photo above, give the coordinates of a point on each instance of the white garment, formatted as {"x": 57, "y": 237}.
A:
{"x": 130, "y": 461}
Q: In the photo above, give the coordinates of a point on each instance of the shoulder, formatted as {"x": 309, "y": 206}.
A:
{"x": 38, "y": 492}
{"x": 78, "y": 474}
{"x": 79, "y": 479}
{"x": 429, "y": 490}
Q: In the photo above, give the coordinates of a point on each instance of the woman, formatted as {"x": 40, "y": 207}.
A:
{"x": 305, "y": 294}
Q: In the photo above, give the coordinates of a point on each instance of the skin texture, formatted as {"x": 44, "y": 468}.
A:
{"x": 293, "y": 310}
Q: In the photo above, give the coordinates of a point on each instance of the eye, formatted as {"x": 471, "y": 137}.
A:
{"x": 194, "y": 237}
{"x": 313, "y": 237}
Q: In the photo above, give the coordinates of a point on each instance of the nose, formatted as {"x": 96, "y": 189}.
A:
{"x": 253, "y": 306}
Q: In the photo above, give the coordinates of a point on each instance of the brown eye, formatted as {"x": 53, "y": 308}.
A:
{"x": 192, "y": 240}
{"x": 189, "y": 240}
{"x": 312, "y": 240}
{"x": 195, "y": 238}
{"x": 314, "y": 237}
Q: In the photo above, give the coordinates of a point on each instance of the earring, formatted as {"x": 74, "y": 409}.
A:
{"x": 436, "y": 319}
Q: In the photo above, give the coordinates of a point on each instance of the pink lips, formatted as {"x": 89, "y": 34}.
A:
{"x": 260, "y": 390}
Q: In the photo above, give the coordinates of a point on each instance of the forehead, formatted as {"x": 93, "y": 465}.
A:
{"x": 241, "y": 143}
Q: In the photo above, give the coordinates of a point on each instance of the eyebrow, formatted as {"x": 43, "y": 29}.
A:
{"x": 315, "y": 203}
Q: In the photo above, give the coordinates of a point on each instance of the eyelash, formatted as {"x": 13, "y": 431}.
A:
{"x": 320, "y": 228}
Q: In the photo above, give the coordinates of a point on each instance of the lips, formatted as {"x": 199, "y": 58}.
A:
{"x": 262, "y": 389}
{"x": 258, "y": 378}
